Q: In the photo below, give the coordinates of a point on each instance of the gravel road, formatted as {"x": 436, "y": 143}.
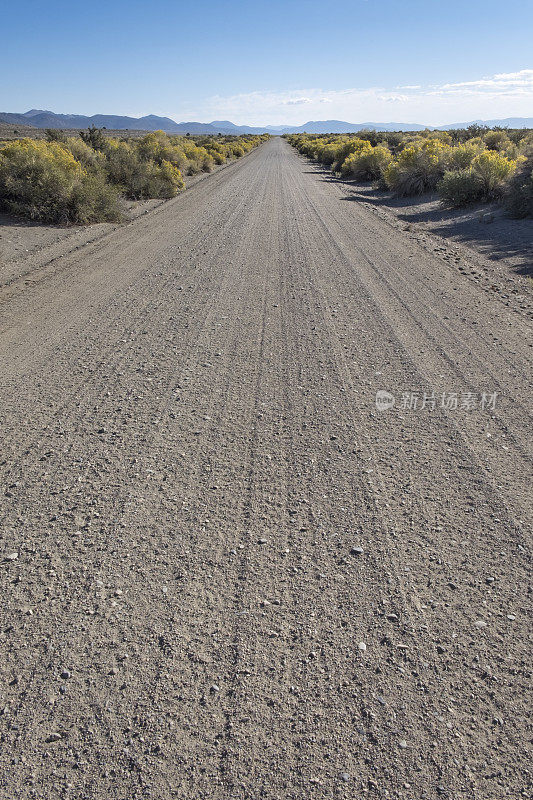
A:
{"x": 226, "y": 574}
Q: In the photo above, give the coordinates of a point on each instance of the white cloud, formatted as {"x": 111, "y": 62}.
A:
{"x": 496, "y": 96}
{"x": 500, "y": 83}
{"x": 297, "y": 101}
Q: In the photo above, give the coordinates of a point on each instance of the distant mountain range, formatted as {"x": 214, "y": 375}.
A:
{"x": 48, "y": 119}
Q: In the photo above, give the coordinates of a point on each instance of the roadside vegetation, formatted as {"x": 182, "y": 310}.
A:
{"x": 86, "y": 178}
{"x": 464, "y": 166}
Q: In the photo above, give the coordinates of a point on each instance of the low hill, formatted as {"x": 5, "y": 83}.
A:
{"x": 49, "y": 119}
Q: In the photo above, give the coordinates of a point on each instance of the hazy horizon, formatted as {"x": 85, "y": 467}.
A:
{"x": 272, "y": 125}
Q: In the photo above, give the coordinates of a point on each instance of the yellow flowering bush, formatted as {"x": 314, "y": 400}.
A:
{"x": 80, "y": 179}
{"x": 464, "y": 164}
{"x": 459, "y": 188}
{"x": 368, "y": 163}
{"x": 491, "y": 169}
{"x": 139, "y": 177}
{"x": 44, "y": 181}
{"x": 496, "y": 140}
{"x": 461, "y": 157}
{"x": 485, "y": 179}
{"x": 417, "y": 168}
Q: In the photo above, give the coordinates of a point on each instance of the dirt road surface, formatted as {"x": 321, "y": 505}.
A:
{"x": 227, "y": 574}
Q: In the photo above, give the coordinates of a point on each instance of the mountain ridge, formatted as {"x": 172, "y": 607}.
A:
{"x": 39, "y": 118}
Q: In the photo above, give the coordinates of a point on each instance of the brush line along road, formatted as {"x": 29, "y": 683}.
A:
{"x": 226, "y": 573}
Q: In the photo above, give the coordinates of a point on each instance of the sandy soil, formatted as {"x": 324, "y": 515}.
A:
{"x": 226, "y": 573}
{"x": 485, "y": 228}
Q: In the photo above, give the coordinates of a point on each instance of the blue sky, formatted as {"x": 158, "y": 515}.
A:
{"x": 432, "y": 61}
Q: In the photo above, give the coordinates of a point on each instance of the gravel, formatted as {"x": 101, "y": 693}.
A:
{"x": 103, "y": 339}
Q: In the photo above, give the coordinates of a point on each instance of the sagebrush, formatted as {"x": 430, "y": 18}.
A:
{"x": 82, "y": 179}
{"x": 465, "y": 166}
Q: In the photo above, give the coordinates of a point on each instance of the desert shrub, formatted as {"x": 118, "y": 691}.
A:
{"x": 367, "y": 164}
{"x": 55, "y": 135}
{"x": 512, "y": 152}
{"x": 474, "y": 130}
{"x": 461, "y": 157}
{"x": 496, "y": 140}
{"x": 345, "y": 148}
{"x": 138, "y": 177}
{"x": 218, "y": 157}
{"x": 348, "y": 166}
{"x": 485, "y": 179}
{"x": 466, "y": 164}
{"x": 122, "y": 166}
{"x": 492, "y": 170}
{"x": 43, "y": 180}
{"x": 516, "y": 135}
{"x": 95, "y": 200}
{"x": 459, "y": 188}
{"x": 94, "y": 137}
{"x": 328, "y": 153}
{"x": 525, "y": 143}
{"x": 159, "y": 147}
{"x": 519, "y": 195}
{"x": 369, "y": 135}
{"x": 87, "y": 157}
{"x": 199, "y": 160}
{"x": 417, "y": 168}
{"x": 153, "y": 146}
{"x": 81, "y": 179}
{"x": 442, "y": 136}
{"x": 393, "y": 139}
{"x": 193, "y": 168}
{"x": 165, "y": 181}
{"x": 217, "y": 151}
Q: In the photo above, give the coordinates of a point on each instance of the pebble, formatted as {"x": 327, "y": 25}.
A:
{"x": 480, "y": 623}
{"x": 345, "y": 776}
{"x": 54, "y": 737}
{"x": 11, "y": 556}
{"x": 261, "y": 541}
{"x": 214, "y": 688}
{"x": 402, "y": 743}
{"x": 362, "y": 646}
{"x": 357, "y": 551}
{"x": 65, "y": 674}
